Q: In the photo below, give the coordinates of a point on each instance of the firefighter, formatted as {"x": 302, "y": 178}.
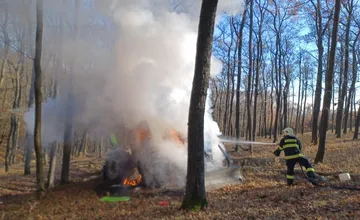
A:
{"x": 292, "y": 146}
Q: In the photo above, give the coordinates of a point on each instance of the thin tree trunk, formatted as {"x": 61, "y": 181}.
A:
{"x": 28, "y": 153}
{"x": 353, "y": 81}
{"x": 271, "y": 100}
{"x": 333, "y": 111}
{"x": 65, "y": 170}
{"x": 317, "y": 101}
{"x": 329, "y": 79}
{"x": 353, "y": 111}
{"x": 238, "y": 83}
{"x": 293, "y": 104}
{"x": 265, "y": 109}
{"x": 248, "y": 102}
{"x": 258, "y": 64}
{"x": 52, "y": 165}
{"x": 341, "y": 95}
{"x": 298, "y": 112}
{"x": 6, "y": 45}
{"x": 304, "y": 107}
{"x": 357, "y": 124}
{"x": 38, "y": 97}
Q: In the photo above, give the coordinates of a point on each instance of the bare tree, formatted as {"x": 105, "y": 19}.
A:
{"x": 238, "y": 82}
{"x": 38, "y": 96}
{"x": 320, "y": 31}
{"x": 329, "y": 79}
{"x": 195, "y": 195}
{"x": 65, "y": 171}
{"x": 249, "y": 82}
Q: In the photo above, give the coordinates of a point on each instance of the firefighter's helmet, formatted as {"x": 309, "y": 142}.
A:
{"x": 288, "y": 131}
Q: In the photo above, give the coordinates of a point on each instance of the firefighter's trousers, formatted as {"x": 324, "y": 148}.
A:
{"x": 290, "y": 163}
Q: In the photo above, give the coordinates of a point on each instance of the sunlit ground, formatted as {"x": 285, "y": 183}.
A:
{"x": 264, "y": 194}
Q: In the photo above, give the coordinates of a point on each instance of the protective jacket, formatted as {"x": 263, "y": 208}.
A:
{"x": 291, "y": 147}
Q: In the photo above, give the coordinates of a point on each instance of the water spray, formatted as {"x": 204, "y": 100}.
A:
{"x": 238, "y": 141}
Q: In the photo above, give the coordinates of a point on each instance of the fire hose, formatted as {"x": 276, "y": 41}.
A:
{"x": 326, "y": 185}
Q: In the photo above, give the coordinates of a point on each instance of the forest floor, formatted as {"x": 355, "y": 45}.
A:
{"x": 263, "y": 195}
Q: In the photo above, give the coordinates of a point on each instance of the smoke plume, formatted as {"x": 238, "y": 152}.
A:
{"x": 146, "y": 75}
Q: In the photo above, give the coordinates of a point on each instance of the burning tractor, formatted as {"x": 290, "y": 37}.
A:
{"x": 141, "y": 162}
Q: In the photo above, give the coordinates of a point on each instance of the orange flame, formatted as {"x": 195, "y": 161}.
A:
{"x": 142, "y": 134}
{"x": 176, "y": 136}
{"x": 135, "y": 182}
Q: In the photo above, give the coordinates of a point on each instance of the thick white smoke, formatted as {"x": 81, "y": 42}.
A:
{"x": 149, "y": 79}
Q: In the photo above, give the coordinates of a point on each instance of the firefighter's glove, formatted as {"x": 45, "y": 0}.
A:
{"x": 277, "y": 152}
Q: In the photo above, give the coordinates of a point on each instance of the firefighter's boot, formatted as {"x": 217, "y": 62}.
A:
{"x": 312, "y": 178}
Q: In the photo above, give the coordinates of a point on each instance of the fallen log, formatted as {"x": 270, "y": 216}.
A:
{"x": 223, "y": 177}
{"x": 259, "y": 162}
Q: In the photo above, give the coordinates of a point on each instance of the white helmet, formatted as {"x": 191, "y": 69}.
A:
{"x": 288, "y": 131}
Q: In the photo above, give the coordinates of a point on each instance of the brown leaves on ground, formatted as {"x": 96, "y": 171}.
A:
{"x": 264, "y": 195}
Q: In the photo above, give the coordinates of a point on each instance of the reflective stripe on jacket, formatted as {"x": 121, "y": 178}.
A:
{"x": 113, "y": 139}
{"x": 291, "y": 147}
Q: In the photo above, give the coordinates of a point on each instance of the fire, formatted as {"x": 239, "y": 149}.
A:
{"x": 134, "y": 182}
{"x": 142, "y": 134}
{"x": 176, "y": 136}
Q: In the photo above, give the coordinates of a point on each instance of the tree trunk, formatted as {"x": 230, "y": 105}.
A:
{"x": 52, "y": 165}
{"x": 353, "y": 82}
{"x": 271, "y": 100}
{"x": 341, "y": 95}
{"x": 195, "y": 195}
{"x": 329, "y": 79}
{"x": 100, "y": 146}
{"x": 346, "y": 70}
{"x": 8, "y": 152}
{"x": 265, "y": 107}
{"x": 28, "y": 148}
{"x": 6, "y": 46}
{"x": 238, "y": 83}
{"x": 285, "y": 99}
{"x": 351, "y": 112}
{"x": 357, "y": 124}
{"x": 248, "y": 101}
{"x": 65, "y": 170}
{"x": 304, "y": 107}
{"x": 83, "y": 143}
{"x": 317, "y": 101}
{"x": 298, "y": 112}
{"x": 293, "y": 104}
{"x": 258, "y": 64}
{"x": 38, "y": 97}
{"x": 333, "y": 111}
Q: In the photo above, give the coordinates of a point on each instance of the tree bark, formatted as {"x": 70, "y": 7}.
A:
{"x": 195, "y": 195}
{"x": 232, "y": 72}
{"x": 304, "y": 94}
{"x": 329, "y": 79}
{"x": 38, "y": 97}
{"x": 346, "y": 70}
{"x": 352, "y": 87}
{"x": 249, "y": 82}
{"x": 258, "y": 64}
{"x": 65, "y": 170}
{"x": 357, "y": 124}
{"x": 28, "y": 153}
{"x": 298, "y": 110}
{"x": 52, "y": 166}
{"x": 317, "y": 101}
{"x": 238, "y": 83}
{"x": 340, "y": 93}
